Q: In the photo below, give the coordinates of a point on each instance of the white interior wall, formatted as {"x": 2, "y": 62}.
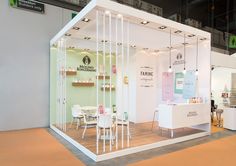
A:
{"x": 24, "y": 64}
{"x": 203, "y": 67}
{"x": 221, "y": 77}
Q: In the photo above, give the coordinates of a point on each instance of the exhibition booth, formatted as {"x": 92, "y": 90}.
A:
{"x": 223, "y": 87}
{"x": 124, "y": 81}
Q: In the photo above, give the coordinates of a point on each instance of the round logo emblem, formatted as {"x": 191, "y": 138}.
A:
{"x": 86, "y": 60}
{"x": 179, "y": 56}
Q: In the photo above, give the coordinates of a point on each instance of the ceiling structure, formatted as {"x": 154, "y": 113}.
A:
{"x": 215, "y": 16}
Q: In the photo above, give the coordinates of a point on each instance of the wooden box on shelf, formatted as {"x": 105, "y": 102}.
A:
{"x": 101, "y": 77}
{"x": 83, "y": 84}
{"x": 71, "y": 73}
{"x": 108, "y": 88}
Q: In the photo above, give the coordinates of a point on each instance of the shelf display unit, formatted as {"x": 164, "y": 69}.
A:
{"x": 83, "y": 84}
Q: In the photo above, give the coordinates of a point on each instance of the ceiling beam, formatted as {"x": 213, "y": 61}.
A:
{"x": 62, "y": 4}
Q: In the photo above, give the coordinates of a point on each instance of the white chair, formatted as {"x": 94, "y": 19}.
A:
{"x": 105, "y": 122}
{"x": 124, "y": 120}
{"x": 88, "y": 123}
{"x": 76, "y": 115}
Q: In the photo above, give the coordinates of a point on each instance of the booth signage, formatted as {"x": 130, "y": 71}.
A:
{"x": 232, "y": 41}
{"x": 167, "y": 86}
{"x": 146, "y": 76}
{"x": 189, "y": 85}
{"x": 192, "y": 113}
{"x": 28, "y": 5}
{"x": 179, "y": 59}
{"x": 86, "y": 65}
{"x": 179, "y": 83}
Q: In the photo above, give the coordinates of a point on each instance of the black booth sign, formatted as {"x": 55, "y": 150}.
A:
{"x": 28, "y": 5}
{"x": 179, "y": 59}
{"x": 85, "y": 66}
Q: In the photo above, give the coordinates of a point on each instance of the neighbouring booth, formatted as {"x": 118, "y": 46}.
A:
{"x": 223, "y": 97}
{"x": 124, "y": 81}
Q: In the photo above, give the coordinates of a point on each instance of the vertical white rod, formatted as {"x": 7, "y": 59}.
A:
{"x": 104, "y": 68}
{"x": 116, "y": 85}
{"x": 127, "y": 72}
{"x": 97, "y": 74}
{"x": 64, "y": 80}
{"x": 110, "y": 77}
{"x": 122, "y": 63}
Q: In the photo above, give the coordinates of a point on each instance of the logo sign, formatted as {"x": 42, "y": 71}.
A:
{"x": 86, "y": 61}
{"x": 146, "y": 76}
{"x": 232, "y": 41}
{"x": 179, "y": 59}
{"x": 192, "y": 113}
{"x": 28, "y": 5}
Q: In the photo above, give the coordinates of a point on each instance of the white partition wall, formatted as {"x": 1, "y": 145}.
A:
{"x": 107, "y": 68}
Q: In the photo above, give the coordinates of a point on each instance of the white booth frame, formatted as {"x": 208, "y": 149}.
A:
{"x": 137, "y": 15}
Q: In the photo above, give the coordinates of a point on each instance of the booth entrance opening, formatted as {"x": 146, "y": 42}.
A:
{"x": 124, "y": 81}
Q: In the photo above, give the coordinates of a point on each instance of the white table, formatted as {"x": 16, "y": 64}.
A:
{"x": 229, "y": 115}
{"x": 88, "y": 110}
{"x": 174, "y": 116}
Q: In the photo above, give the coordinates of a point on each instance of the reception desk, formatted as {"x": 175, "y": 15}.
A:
{"x": 229, "y": 118}
{"x": 174, "y": 116}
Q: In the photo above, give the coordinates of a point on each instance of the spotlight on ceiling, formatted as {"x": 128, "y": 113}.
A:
{"x": 144, "y": 22}
{"x": 107, "y": 12}
{"x": 203, "y": 38}
{"x": 119, "y": 44}
{"x": 76, "y": 28}
{"x": 87, "y": 38}
{"x": 145, "y": 49}
{"x": 86, "y": 20}
{"x": 119, "y": 15}
{"x": 67, "y": 34}
{"x": 191, "y": 35}
{"x": 133, "y": 46}
{"x": 178, "y": 32}
{"x": 162, "y": 27}
{"x": 104, "y": 41}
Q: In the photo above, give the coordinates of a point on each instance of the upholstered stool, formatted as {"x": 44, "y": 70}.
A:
{"x": 218, "y": 117}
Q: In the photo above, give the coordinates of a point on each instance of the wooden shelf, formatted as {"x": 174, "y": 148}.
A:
{"x": 100, "y": 77}
{"x": 71, "y": 73}
{"x": 108, "y": 89}
{"x": 83, "y": 84}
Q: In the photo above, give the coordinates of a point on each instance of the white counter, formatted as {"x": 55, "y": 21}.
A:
{"x": 229, "y": 118}
{"x": 174, "y": 116}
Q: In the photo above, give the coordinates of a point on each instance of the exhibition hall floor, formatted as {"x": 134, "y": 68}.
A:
{"x": 33, "y": 147}
{"x": 45, "y": 147}
{"x": 139, "y": 134}
{"x": 218, "y": 153}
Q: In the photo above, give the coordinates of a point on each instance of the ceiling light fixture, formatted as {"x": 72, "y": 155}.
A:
{"x": 191, "y": 35}
{"x": 119, "y": 15}
{"x": 86, "y": 20}
{"x": 104, "y": 41}
{"x": 67, "y": 34}
{"x": 133, "y": 46}
{"x": 203, "y": 38}
{"x": 107, "y": 12}
{"x": 196, "y": 72}
{"x": 178, "y": 31}
{"x": 170, "y": 47}
{"x": 119, "y": 44}
{"x": 144, "y": 22}
{"x": 184, "y": 71}
{"x": 76, "y": 28}
{"x": 162, "y": 27}
{"x": 87, "y": 38}
{"x": 145, "y": 49}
